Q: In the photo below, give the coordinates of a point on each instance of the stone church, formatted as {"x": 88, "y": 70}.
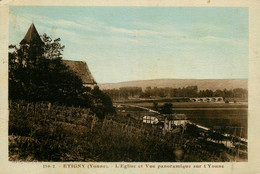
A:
{"x": 33, "y": 39}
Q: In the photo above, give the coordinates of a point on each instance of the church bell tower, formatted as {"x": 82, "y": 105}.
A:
{"x": 31, "y": 44}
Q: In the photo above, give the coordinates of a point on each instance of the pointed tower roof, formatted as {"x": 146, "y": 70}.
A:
{"x": 32, "y": 36}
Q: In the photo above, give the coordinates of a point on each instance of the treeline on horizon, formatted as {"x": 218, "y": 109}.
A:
{"x": 167, "y": 92}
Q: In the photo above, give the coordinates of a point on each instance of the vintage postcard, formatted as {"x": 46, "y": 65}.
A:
{"x": 135, "y": 87}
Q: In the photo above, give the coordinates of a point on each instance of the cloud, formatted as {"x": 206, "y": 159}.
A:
{"x": 212, "y": 40}
{"x": 17, "y": 19}
{"x": 44, "y": 24}
{"x": 231, "y": 41}
{"x": 89, "y": 24}
{"x": 144, "y": 33}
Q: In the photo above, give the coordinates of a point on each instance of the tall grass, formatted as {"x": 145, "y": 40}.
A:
{"x": 48, "y": 132}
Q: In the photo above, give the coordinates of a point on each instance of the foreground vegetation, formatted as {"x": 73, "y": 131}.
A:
{"x": 46, "y": 132}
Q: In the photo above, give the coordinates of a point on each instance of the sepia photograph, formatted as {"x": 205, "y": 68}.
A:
{"x": 128, "y": 84}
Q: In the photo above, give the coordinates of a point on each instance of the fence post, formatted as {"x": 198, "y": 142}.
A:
{"x": 104, "y": 123}
{"x": 49, "y": 106}
{"x": 34, "y": 114}
{"x": 93, "y": 123}
{"x": 27, "y": 107}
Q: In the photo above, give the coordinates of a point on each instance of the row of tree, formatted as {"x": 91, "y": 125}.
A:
{"x": 124, "y": 92}
{"x": 190, "y": 91}
{"x": 36, "y": 73}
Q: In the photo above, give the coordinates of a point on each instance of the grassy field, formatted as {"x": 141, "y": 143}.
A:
{"x": 45, "y": 132}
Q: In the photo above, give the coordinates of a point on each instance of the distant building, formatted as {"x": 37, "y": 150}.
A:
{"x": 33, "y": 40}
{"x": 174, "y": 120}
{"x": 150, "y": 119}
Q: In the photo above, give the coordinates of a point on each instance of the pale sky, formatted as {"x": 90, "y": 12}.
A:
{"x": 139, "y": 43}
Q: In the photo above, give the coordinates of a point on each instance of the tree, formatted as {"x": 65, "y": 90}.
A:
{"x": 145, "y": 95}
{"x": 102, "y": 103}
{"x": 39, "y": 75}
{"x": 193, "y": 130}
{"x": 52, "y": 49}
{"x": 166, "y": 108}
{"x": 218, "y": 93}
{"x": 155, "y": 106}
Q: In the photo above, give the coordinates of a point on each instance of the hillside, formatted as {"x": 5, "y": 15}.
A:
{"x": 202, "y": 84}
{"x": 63, "y": 134}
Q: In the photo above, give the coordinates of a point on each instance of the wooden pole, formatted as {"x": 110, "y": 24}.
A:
{"x": 27, "y": 107}
{"x": 239, "y": 142}
{"x": 234, "y": 143}
{"x": 34, "y": 112}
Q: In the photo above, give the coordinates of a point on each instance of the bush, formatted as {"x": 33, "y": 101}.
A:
{"x": 166, "y": 108}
